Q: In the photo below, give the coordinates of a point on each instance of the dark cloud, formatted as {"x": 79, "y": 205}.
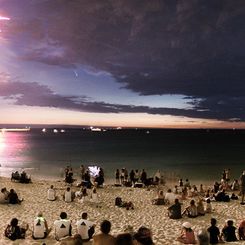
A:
{"x": 194, "y": 48}
{"x": 34, "y": 94}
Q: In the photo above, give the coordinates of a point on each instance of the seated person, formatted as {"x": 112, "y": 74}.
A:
{"x": 160, "y": 199}
{"x": 104, "y": 237}
{"x": 68, "y": 195}
{"x": 169, "y": 197}
{"x": 235, "y": 185}
{"x": 40, "y": 227}
{"x": 209, "y": 208}
{"x": 13, "y": 231}
{"x": 221, "y": 196}
{"x": 214, "y": 233}
{"x": 85, "y": 228}
{"x": 191, "y": 210}
{"x": 13, "y": 197}
{"x": 187, "y": 235}
{"x": 144, "y": 236}
{"x": 203, "y": 237}
{"x": 24, "y": 178}
{"x": 51, "y": 193}
{"x": 4, "y": 196}
{"x": 174, "y": 211}
{"x": 15, "y": 176}
{"x": 62, "y": 227}
{"x": 241, "y": 230}
{"x": 124, "y": 239}
{"x": 200, "y": 208}
{"x": 229, "y": 232}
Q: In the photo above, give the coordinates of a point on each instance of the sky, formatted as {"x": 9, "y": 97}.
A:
{"x": 128, "y": 63}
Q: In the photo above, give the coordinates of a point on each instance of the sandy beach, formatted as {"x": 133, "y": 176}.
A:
{"x": 165, "y": 230}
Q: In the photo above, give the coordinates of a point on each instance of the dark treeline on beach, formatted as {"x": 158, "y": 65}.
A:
{"x": 193, "y": 153}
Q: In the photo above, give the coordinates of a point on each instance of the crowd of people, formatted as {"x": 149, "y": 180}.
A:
{"x": 85, "y": 230}
{"x": 137, "y": 178}
{"x": 200, "y": 204}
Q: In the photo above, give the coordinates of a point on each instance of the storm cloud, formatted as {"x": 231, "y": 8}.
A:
{"x": 193, "y": 48}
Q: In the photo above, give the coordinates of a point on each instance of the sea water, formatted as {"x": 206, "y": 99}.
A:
{"x": 194, "y": 154}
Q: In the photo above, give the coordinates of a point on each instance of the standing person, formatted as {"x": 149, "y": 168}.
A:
{"x": 143, "y": 177}
{"x": 242, "y": 180}
{"x": 51, "y": 193}
{"x": 122, "y": 176}
{"x": 82, "y": 171}
{"x": 132, "y": 177}
{"x": 85, "y": 227}
{"x": 104, "y": 238}
{"x": 62, "y": 226}
{"x": 214, "y": 233}
{"x": 40, "y": 227}
{"x": 117, "y": 176}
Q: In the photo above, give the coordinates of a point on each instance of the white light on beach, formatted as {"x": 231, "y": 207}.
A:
{"x": 94, "y": 170}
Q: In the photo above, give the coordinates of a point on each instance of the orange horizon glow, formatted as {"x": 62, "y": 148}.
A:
{"x": 53, "y": 116}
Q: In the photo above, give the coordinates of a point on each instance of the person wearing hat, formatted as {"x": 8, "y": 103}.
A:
{"x": 187, "y": 235}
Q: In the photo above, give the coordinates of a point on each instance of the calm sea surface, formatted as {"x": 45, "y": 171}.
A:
{"x": 194, "y": 154}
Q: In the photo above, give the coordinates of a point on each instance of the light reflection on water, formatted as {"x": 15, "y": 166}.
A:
{"x": 13, "y": 148}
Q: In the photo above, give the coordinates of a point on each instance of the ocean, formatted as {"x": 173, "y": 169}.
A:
{"x": 180, "y": 153}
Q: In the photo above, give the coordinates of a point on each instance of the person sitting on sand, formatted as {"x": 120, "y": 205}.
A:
{"x": 124, "y": 239}
{"x": 143, "y": 236}
{"x": 68, "y": 195}
{"x": 51, "y": 193}
{"x": 203, "y": 237}
{"x": 221, "y": 196}
{"x": 201, "y": 191}
{"x": 193, "y": 191}
{"x": 187, "y": 235}
{"x": 169, "y": 197}
{"x": 191, "y": 210}
{"x": 214, "y": 233}
{"x": 13, "y": 197}
{"x": 200, "y": 208}
{"x": 104, "y": 238}
{"x": 85, "y": 227}
{"x": 174, "y": 211}
{"x": 4, "y": 196}
{"x": 241, "y": 230}
{"x": 229, "y": 232}
{"x": 13, "y": 231}
{"x": 40, "y": 227}
{"x": 85, "y": 197}
{"x": 209, "y": 208}
{"x": 62, "y": 226}
{"x": 160, "y": 199}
